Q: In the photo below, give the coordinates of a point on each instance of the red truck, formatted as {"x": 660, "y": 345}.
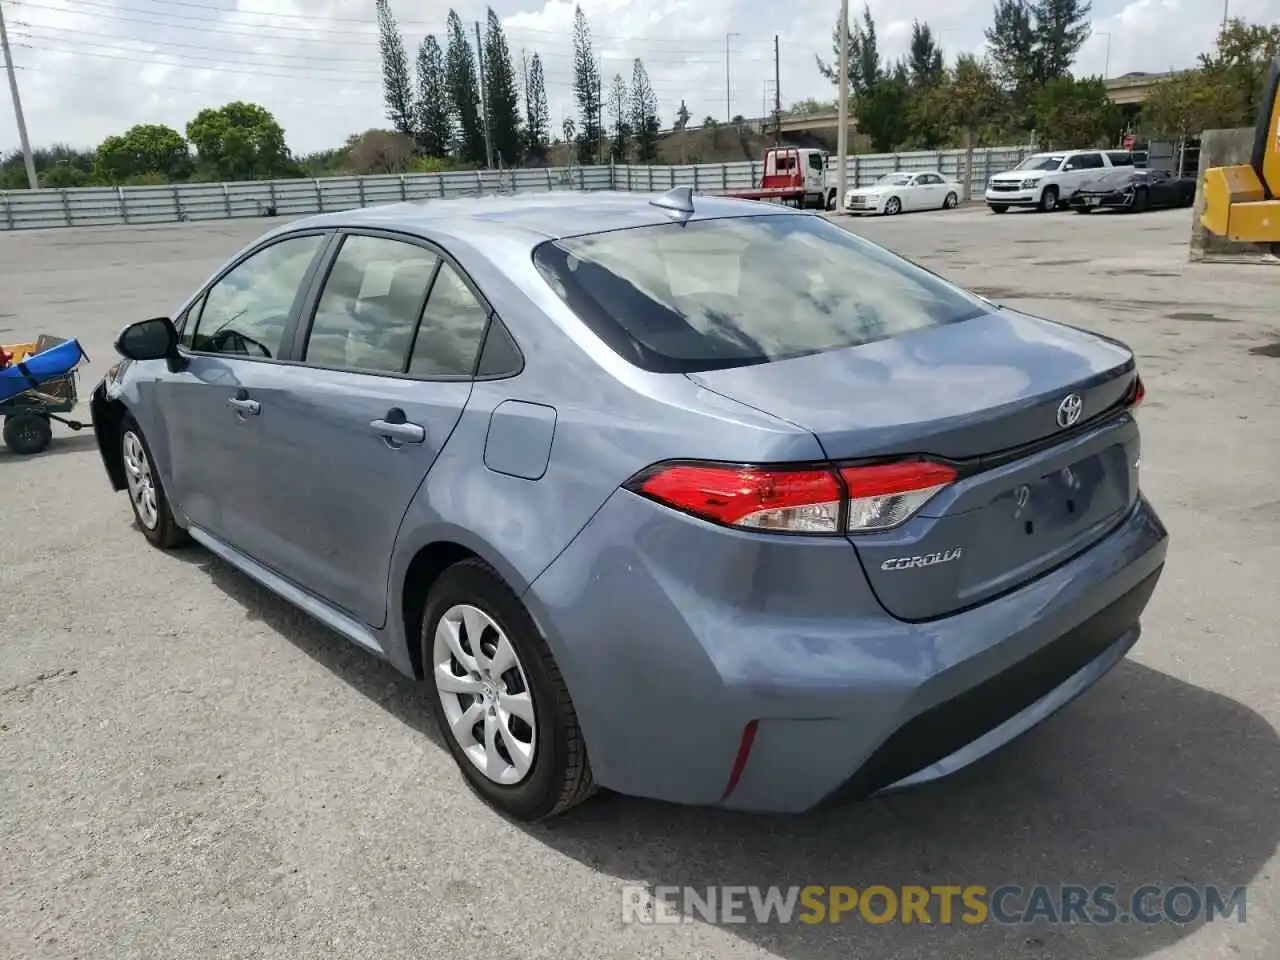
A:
{"x": 795, "y": 176}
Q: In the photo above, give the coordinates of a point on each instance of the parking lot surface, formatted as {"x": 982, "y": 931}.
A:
{"x": 189, "y": 768}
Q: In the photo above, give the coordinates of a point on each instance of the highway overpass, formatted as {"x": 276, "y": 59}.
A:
{"x": 1128, "y": 90}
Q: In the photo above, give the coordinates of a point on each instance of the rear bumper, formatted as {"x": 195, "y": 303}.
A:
{"x": 1113, "y": 199}
{"x": 674, "y": 635}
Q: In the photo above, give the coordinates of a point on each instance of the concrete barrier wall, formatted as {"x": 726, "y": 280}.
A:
{"x": 1223, "y": 148}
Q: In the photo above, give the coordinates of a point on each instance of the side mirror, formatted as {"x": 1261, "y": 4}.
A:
{"x": 154, "y": 339}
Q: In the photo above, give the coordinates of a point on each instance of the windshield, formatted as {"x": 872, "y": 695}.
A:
{"x": 1041, "y": 161}
{"x": 742, "y": 290}
{"x": 895, "y": 179}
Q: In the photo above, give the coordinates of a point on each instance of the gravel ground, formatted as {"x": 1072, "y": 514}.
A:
{"x": 188, "y": 768}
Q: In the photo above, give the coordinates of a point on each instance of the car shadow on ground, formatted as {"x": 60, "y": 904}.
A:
{"x": 1144, "y": 780}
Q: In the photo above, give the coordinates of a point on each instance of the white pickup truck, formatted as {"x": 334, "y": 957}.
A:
{"x": 1045, "y": 180}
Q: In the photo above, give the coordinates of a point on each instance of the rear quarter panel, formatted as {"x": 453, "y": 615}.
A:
{"x": 611, "y": 421}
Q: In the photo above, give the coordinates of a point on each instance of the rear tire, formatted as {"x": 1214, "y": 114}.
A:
{"x": 831, "y": 200}
{"x": 951, "y": 202}
{"x": 27, "y": 434}
{"x": 513, "y": 676}
{"x": 147, "y": 499}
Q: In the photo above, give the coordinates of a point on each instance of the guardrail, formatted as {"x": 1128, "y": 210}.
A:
{"x": 110, "y": 206}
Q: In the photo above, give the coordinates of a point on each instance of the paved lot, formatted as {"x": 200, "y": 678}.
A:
{"x": 188, "y": 768}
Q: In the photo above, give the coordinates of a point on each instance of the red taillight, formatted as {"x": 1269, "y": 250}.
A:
{"x": 759, "y": 498}
{"x": 814, "y": 500}
{"x": 1139, "y": 393}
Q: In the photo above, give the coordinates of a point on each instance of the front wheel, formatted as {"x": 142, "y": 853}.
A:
{"x": 892, "y": 207}
{"x": 1140, "y": 201}
{"x": 150, "y": 504}
{"x": 951, "y": 202}
{"x": 831, "y": 200}
{"x": 1049, "y": 200}
{"x": 499, "y": 698}
{"x": 998, "y": 207}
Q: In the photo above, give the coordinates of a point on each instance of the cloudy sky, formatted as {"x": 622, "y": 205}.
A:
{"x": 89, "y": 68}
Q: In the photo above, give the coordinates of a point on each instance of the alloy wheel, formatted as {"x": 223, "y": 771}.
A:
{"x": 138, "y": 478}
{"x": 487, "y": 701}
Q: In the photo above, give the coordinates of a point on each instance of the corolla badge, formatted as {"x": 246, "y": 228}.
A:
{"x": 924, "y": 560}
{"x": 1069, "y": 410}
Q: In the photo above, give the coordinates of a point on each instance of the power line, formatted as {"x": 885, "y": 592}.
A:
{"x": 74, "y": 35}
{"x": 113, "y": 11}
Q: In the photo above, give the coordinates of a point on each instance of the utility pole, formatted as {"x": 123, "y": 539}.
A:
{"x": 1226, "y": 5}
{"x": 842, "y": 135}
{"x": 28, "y": 160}
{"x": 777, "y": 94}
{"x": 600, "y": 112}
{"x": 728, "y": 91}
{"x": 484, "y": 103}
{"x": 1106, "y": 60}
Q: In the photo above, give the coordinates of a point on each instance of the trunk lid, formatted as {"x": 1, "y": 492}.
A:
{"x": 990, "y": 395}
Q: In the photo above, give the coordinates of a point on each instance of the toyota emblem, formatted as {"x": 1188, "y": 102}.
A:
{"x": 1069, "y": 410}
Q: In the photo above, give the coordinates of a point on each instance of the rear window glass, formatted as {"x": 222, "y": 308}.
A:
{"x": 736, "y": 291}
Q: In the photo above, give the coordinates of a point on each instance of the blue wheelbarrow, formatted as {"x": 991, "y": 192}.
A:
{"x": 37, "y": 387}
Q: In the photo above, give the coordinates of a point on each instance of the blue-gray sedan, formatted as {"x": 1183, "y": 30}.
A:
{"x": 689, "y": 498}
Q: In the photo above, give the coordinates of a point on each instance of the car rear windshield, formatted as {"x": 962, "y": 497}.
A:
{"x": 729, "y": 292}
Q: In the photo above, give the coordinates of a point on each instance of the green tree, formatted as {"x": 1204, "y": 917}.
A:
{"x": 1188, "y": 103}
{"x": 434, "y": 107}
{"x": 1011, "y": 42}
{"x": 925, "y": 59}
{"x": 1240, "y": 61}
{"x": 464, "y": 91}
{"x": 619, "y": 119}
{"x": 144, "y": 149}
{"x": 882, "y": 110}
{"x": 971, "y": 97}
{"x": 1061, "y": 28}
{"x": 644, "y": 114}
{"x": 682, "y": 117}
{"x": 502, "y": 94}
{"x": 397, "y": 87}
{"x": 586, "y": 89}
{"x": 379, "y": 152}
{"x": 239, "y": 141}
{"x": 865, "y": 69}
{"x": 537, "y": 115}
{"x": 1076, "y": 113}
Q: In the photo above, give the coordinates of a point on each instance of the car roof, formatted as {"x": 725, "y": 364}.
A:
{"x": 532, "y": 217}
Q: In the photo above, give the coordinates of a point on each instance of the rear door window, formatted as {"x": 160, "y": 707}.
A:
{"x": 736, "y": 291}
{"x": 369, "y": 309}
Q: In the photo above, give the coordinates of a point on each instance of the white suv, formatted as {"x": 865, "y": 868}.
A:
{"x": 1045, "y": 180}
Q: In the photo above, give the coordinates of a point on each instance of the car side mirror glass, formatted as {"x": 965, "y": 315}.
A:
{"x": 154, "y": 339}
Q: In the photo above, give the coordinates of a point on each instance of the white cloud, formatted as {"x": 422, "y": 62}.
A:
{"x": 94, "y": 67}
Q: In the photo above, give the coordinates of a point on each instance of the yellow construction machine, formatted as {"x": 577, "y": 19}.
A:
{"x": 1243, "y": 202}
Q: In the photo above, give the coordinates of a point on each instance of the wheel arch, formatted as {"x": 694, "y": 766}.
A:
{"x": 108, "y": 422}
{"x": 423, "y": 559}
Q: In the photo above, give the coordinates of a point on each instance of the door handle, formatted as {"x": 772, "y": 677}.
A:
{"x": 401, "y": 432}
{"x": 245, "y": 407}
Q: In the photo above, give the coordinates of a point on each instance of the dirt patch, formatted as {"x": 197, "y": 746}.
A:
{"x": 1194, "y": 317}
{"x": 1267, "y": 350}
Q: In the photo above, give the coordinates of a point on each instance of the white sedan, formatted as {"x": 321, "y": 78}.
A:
{"x": 895, "y": 192}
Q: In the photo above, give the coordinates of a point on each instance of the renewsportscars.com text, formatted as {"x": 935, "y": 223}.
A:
{"x": 1008, "y": 904}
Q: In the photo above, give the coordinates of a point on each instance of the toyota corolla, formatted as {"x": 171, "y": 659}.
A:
{"x": 697, "y": 499}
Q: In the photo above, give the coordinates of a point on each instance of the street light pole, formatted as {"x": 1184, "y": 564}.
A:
{"x": 842, "y": 131}
{"x": 1106, "y": 63}
{"x": 728, "y": 96}
{"x": 28, "y": 160}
